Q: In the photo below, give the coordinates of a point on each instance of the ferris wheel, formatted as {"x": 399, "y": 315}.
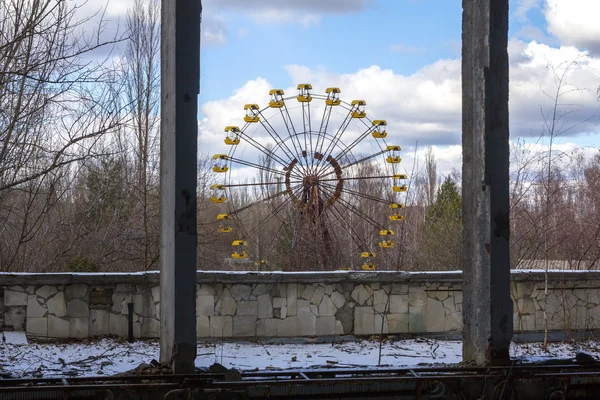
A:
{"x": 309, "y": 182}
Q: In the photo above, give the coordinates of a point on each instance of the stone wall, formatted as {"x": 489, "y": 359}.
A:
{"x": 274, "y": 304}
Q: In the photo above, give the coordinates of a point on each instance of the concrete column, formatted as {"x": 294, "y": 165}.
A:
{"x": 180, "y": 86}
{"x": 487, "y": 307}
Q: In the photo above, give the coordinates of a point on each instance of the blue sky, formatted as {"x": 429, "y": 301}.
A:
{"x": 403, "y": 58}
{"x": 343, "y": 42}
{"x": 402, "y": 35}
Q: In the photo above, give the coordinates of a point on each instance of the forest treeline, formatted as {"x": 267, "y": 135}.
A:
{"x": 79, "y": 159}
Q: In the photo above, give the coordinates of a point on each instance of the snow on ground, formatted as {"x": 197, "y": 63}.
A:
{"x": 108, "y": 356}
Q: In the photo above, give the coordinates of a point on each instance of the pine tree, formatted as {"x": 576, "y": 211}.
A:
{"x": 440, "y": 242}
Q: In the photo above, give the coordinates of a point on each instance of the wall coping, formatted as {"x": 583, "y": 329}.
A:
{"x": 66, "y": 278}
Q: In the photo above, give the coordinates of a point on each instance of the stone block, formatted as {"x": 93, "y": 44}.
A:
{"x": 279, "y": 302}
{"x": 37, "y": 327}
{"x": 265, "y": 306}
{"x": 435, "y": 316}
{"x": 325, "y": 326}
{"x": 79, "y": 328}
{"x": 205, "y": 305}
{"x": 240, "y": 292}
{"x": 244, "y": 326}
{"x": 399, "y": 304}
{"x": 57, "y": 327}
{"x": 380, "y": 324}
{"x": 397, "y": 323}
{"x": 13, "y": 298}
{"x": 399, "y": 288}
{"x": 418, "y": 298}
{"x": 57, "y": 306}
{"x": 453, "y": 322}
{"x": 260, "y": 289}
{"x": 307, "y": 321}
{"x": 345, "y": 315}
{"x": 308, "y": 292}
{"x": 282, "y": 312}
{"x": 76, "y": 291}
{"x": 117, "y": 325}
{"x": 267, "y": 327}
{"x": 292, "y": 295}
{"x": 249, "y": 307}
{"x": 314, "y": 309}
{"x": 523, "y": 289}
{"x": 155, "y": 293}
{"x": 327, "y": 308}
{"x": 380, "y": 301}
{"x": 317, "y": 296}
{"x": 226, "y": 304}
{"x": 77, "y": 309}
{"x": 125, "y": 287}
{"x": 360, "y": 294}
{"x": 99, "y": 322}
{"x": 328, "y": 289}
{"x": 150, "y": 328}
{"x": 338, "y": 299}
{"x": 34, "y": 308}
{"x": 120, "y": 301}
{"x": 206, "y": 290}
{"x": 417, "y": 319}
{"x": 138, "y": 303}
{"x": 221, "y": 326}
{"x": 364, "y": 321}
{"x": 525, "y": 306}
{"x": 202, "y": 327}
{"x": 46, "y": 291}
{"x": 524, "y": 323}
{"x": 339, "y": 328}
{"x": 288, "y": 327}
{"x": 137, "y": 330}
{"x": 14, "y": 318}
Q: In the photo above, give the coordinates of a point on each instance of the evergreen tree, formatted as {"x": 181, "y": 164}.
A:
{"x": 440, "y": 239}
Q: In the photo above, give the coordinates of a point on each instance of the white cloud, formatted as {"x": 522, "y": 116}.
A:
{"x": 283, "y": 16}
{"x": 320, "y": 6}
{"x": 425, "y": 107}
{"x": 575, "y": 22}
{"x": 402, "y": 48}
{"x": 523, "y": 7}
{"x": 214, "y": 31}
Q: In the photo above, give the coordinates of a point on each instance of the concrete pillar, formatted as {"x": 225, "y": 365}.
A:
{"x": 487, "y": 307}
{"x": 180, "y": 86}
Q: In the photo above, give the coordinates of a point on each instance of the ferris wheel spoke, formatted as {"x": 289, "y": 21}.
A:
{"x": 361, "y": 214}
{"x": 338, "y": 135}
{"x": 263, "y": 149}
{"x": 289, "y": 125}
{"x": 323, "y": 128}
{"x": 363, "y": 195}
{"x": 275, "y": 136}
{"x": 361, "y": 242}
{"x": 258, "y": 166}
{"x": 348, "y": 228}
{"x": 356, "y": 141}
{"x": 352, "y": 164}
{"x": 271, "y": 197}
{"x": 233, "y": 185}
{"x": 277, "y": 210}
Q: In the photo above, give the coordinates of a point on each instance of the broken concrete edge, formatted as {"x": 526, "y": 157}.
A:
{"x": 67, "y": 278}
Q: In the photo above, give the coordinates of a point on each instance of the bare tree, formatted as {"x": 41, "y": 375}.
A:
{"x": 431, "y": 171}
{"x": 143, "y": 94}
{"x": 55, "y": 105}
